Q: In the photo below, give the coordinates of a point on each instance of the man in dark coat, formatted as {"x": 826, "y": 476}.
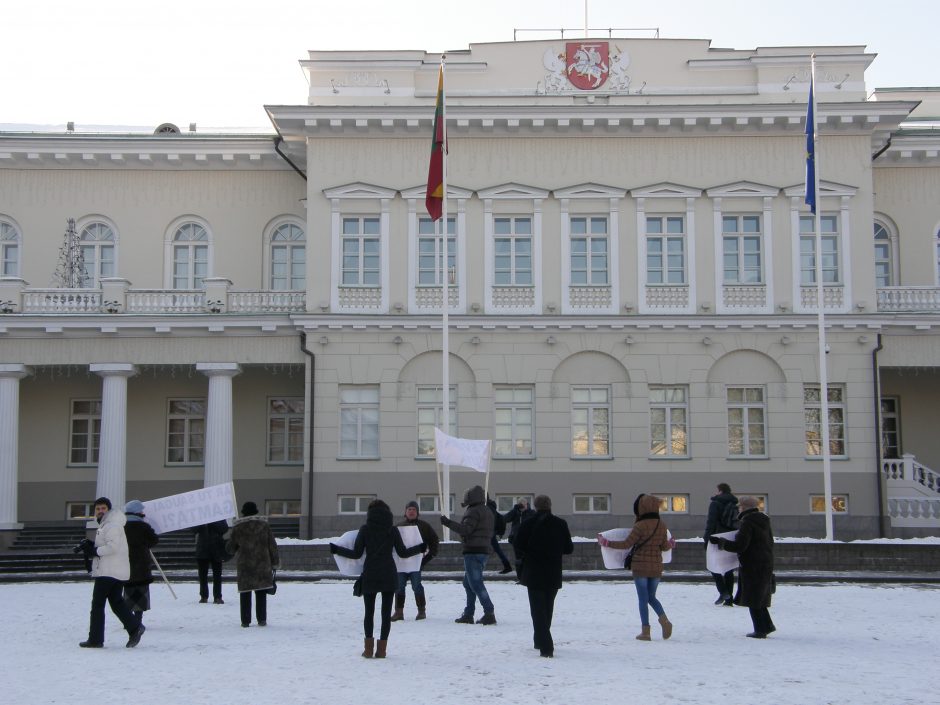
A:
{"x": 210, "y": 552}
{"x": 722, "y": 517}
{"x": 428, "y": 536}
{"x": 514, "y": 518}
{"x": 540, "y": 543}
{"x": 754, "y": 545}
{"x": 476, "y": 533}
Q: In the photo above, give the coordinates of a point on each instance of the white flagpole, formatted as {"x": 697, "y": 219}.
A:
{"x": 821, "y": 322}
{"x": 445, "y": 303}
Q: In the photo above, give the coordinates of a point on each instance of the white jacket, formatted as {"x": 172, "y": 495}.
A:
{"x": 111, "y": 545}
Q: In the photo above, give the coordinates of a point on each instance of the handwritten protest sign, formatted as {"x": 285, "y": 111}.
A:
{"x": 181, "y": 511}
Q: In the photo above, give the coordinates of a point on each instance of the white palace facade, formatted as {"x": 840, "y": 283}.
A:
{"x": 633, "y": 305}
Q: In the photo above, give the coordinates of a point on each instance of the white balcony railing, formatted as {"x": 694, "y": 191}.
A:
{"x": 909, "y": 298}
{"x": 913, "y": 493}
{"x": 62, "y": 301}
{"x": 266, "y": 301}
{"x": 159, "y": 301}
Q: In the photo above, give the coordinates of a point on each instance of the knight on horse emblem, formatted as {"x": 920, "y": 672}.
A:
{"x": 588, "y": 64}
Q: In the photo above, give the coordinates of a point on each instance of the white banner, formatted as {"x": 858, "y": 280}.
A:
{"x": 180, "y": 511}
{"x": 719, "y": 561}
{"x": 349, "y": 566}
{"x": 461, "y": 451}
{"x": 614, "y": 557}
{"x": 410, "y": 536}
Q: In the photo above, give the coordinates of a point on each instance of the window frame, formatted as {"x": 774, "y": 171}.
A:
{"x": 362, "y": 504}
{"x": 435, "y": 503}
{"x": 668, "y": 407}
{"x": 271, "y": 513}
{"x": 505, "y": 501}
{"x": 832, "y": 259}
{"x": 88, "y": 511}
{"x": 359, "y": 408}
{"x": 838, "y": 406}
{"x": 588, "y": 238}
{"x": 591, "y": 500}
{"x": 92, "y": 451}
{"x": 173, "y": 245}
{"x": 883, "y": 237}
{"x": 841, "y": 502}
{"x": 425, "y": 431}
{"x": 740, "y": 236}
{"x": 290, "y": 416}
{"x": 745, "y": 424}
{"x": 665, "y": 238}
{"x": 591, "y": 407}
{"x": 514, "y": 406}
{"x": 96, "y": 247}
{"x": 11, "y": 241}
{"x": 514, "y": 273}
{"x": 288, "y": 281}
{"x": 435, "y": 240}
{"x": 364, "y": 241}
{"x": 188, "y": 446}
{"x": 669, "y": 499}
{"x": 896, "y": 415}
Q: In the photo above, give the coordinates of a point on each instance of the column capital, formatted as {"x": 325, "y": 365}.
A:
{"x": 14, "y": 370}
{"x": 107, "y": 369}
{"x": 212, "y": 369}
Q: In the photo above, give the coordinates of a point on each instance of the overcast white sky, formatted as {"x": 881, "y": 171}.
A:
{"x": 217, "y": 62}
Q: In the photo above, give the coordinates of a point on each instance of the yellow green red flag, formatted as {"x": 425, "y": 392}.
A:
{"x": 434, "y": 199}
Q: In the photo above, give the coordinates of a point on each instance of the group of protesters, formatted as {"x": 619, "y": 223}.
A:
{"x": 121, "y": 561}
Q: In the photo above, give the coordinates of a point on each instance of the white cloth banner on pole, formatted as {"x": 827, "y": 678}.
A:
{"x": 719, "y": 561}
{"x": 667, "y": 555}
{"x": 614, "y": 557}
{"x": 349, "y": 566}
{"x": 410, "y": 536}
{"x": 181, "y": 511}
{"x": 461, "y": 451}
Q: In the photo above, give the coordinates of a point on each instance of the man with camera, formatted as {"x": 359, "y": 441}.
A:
{"x": 110, "y": 567}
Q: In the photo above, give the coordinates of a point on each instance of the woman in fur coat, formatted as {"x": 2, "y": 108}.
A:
{"x": 256, "y": 559}
{"x": 376, "y": 538}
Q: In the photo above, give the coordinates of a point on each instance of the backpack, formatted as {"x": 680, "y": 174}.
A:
{"x": 729, "y": 516}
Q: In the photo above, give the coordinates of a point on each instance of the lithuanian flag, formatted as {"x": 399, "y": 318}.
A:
{"x": 434, "y": 200}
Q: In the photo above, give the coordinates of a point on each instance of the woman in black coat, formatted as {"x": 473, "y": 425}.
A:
{"x": 754, "y": 545}
{"x": 377, "y": 537}
{"x": 140, "y": 539}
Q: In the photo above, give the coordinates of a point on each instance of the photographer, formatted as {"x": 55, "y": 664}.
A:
{"x": 110, "y": 567}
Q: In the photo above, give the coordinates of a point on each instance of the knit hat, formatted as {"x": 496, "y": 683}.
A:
{"x": 413, "y": 505}
{"x": 135, "y": 506}
{"x": 249, "y": 509}
{"x": 543, "y": 503}
{"x": 105, "y": 501}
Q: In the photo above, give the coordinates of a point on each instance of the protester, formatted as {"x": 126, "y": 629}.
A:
{"x": 376, "y": 538}
{"x": 476, "y": 534}
{"x": 514, "y": 518}
{"x": 140, "y": 539}
{"x": 754, "y": 545}
{"x": 648, "y": 539}
{"x": 256, "y": 559}
{"x": 541, "y": 541}
{"x": 210, "y": 552}
{"x": 722, "y": 517}
{"x": 499, "y": 528}
{"x": 110, "y": 568}
{"x": 429, "y": 537}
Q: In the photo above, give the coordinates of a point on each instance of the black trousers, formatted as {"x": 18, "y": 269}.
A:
{"x": 542, "y": 607}
{"x": 261, "y": 606}
{"x": 760, "y": 617}
{"x": 204, "y": 564}
{"x": 368, "y": 619}
{"x": 497, "y": 549}
{"x": 110, "y": 590}
{"x": 725, "y": 583}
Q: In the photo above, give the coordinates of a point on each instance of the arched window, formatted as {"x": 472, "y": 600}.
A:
{"x": 190, "y": 256}
{"x": 9, "y": 249}
{"x": 97, "y": 243}
{"x": 884, "y": 257}
{"x": 288, "y": 258}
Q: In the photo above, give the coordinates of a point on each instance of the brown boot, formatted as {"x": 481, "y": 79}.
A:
{"x": 367, "y": 651}
{"x": 380, "y": 648}
{"x": 399, "y": 612}
{"x": 666, "y": 625}
{"x": 645, "y": 634}
{"x": 421, "y": 603}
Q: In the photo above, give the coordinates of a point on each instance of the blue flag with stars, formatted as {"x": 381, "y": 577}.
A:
{"x": 810, "y": 152}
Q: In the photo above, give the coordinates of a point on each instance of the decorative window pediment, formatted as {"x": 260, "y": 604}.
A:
{"x": 421, "y": 191}
{"x": 743, "y": 189}
{"x": 359, "y": 190}
{"x": 666, "y": 190}
{"x": 826, "y": 188}
{"x": 590, "y": 191}
{"x": 512, "y": 190}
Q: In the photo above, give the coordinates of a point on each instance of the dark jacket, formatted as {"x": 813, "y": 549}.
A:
{"x": 476, "y": 527}
{"x": 255, "y": 551}
{"x": 428, "y": 535}
{"x": 140, "y": 539}
{"x": 377, "y": 537}
{"x": 649, "y": 528}
{"x": 540, "y": 543}
{"x": 754, "y": 545}
{"x": 716, "y": 510}
{"x": 514, "y": 518}
{"x": 210, "y": 541}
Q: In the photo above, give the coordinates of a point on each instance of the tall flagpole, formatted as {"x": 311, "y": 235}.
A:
{"x": 821, "y": 318}
{"x": 445, "y": 302}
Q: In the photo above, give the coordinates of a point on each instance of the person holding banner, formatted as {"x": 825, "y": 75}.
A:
{"x": 255, "y": 549}
{"x": 140, "y": 539}
{"x": 210, "y": 552}
{"x": 377, "y": 538}
{"x": 430, "y": 537}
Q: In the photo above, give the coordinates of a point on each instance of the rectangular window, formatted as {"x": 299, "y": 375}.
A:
{"x": 669, "y": 421}
{"x": 360, "y": 251}
{"x": 11, "y": 259}
{"x": 673, "y": 503}
{"x": 812, "y": 417}
{"x": 286, "y": 430}
{"x": 354, "y": 503}
{"x": 79, "y": 510}
{"x": 359, "y": 422}
{"x": 741, "y": 249}
{"x": 514, "y": 416}
{"x": 85, "y": 424}
{"x": 589, "y": 251}
{"x": 431, "y": 504}
{"x": 288, "y": 267}
{"x": 430, "y": 415}
{"x": 282, "y": 507}
{"x": 512, "y": 247}
{"x": 665, "y": 250}
{"x": 430, "y": 250}
{"x": 190, "y": 266}
{"x": 186, "y": 431}
{"x": 590, "y": 422}
{"x": 747, "y": 428}
{"x": 890, "y": 427}
{"x": 829, "y": 227}
{"x": 840, "y": 503}
{"x": 505, "y": 502}
{"x": 591, "y": 503}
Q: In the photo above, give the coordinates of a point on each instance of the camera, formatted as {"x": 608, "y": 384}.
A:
{"x": 81, "y": 548}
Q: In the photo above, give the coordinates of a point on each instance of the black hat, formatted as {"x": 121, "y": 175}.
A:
{"x": 249, "y": 509}
{"x": 414, "y": 504}
{"x": 105, "y": 501}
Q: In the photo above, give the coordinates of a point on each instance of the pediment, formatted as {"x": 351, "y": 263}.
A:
{"x": 743, "y": 189}
{"x": 826, "y": 188}
{"x": 419, "y": 192}
{"x": 590, "y": 190}
{"x": 359, "y": 190}
{"x": 666, "y": 190}
{"x": 513, "y": 190}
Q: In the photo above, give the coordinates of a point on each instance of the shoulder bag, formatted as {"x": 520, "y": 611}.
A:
{"x": 628, "y": 559}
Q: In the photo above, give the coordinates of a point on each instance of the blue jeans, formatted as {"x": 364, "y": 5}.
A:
{"x": 416, "y": 585}
{"x": 646, "y": 594}
{"x": 473, "y": 564}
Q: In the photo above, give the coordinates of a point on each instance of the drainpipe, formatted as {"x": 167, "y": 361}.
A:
{"x": 882, "y": 150}
{"x": 876, "y": 373}
{"x": 310, "y": 430}
{"x": 277, "y": 148}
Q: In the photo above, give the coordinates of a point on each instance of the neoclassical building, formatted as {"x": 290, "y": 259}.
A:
{"x": 632, "y": 298}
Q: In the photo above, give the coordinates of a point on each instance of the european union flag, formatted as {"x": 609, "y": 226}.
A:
{"x": 810, "y": 153}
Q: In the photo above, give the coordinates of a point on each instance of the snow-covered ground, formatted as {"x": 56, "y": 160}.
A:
{"x": 835, "y": 644}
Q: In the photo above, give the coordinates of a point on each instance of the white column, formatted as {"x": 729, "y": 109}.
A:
{"x": 10, "y": 376}
{"x": 219, "y": 421}
{"x": 112, "y": 456}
